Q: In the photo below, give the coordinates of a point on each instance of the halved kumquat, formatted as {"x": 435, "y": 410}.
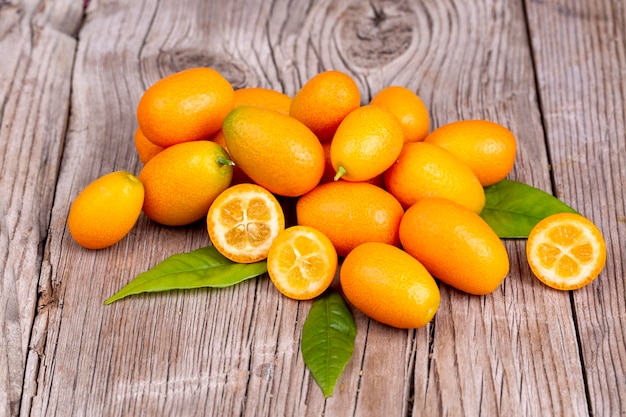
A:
{"x": 302, "y": 262}
{"x": 566, "y": 251}
{"x": 243, "y": 221}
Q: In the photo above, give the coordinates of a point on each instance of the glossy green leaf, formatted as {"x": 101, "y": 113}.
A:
{"x": 512, "y": 208}
{"x": 328, "y": 338}
{"x": 204, "y": 267}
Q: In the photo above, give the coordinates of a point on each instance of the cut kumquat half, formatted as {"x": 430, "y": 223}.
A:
{"x": 243, "y": 221}
{"x": 566, "y": 251}
{"x": 302, "y": 262}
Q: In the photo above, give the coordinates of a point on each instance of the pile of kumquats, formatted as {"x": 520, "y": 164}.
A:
{"x": 380, "y": 198}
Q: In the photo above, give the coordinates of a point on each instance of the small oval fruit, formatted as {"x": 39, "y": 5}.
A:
{"x": 323, "y": 102}
{"x": 488, "y": 148}
{"x": 426, "y": 170}
{"x": 182, "y": 181}
{"x": 351, "y": 213}
{"x": 455, "y": 244}
{"x": 185, "y": 106}
{"x": 408, "y": 107}
{"x": 275, "y": 150}
{"x": 239, "y": 177}
{"x": 106, "y": 210}
{"x": 366, "y": 143}
{"x": 145, "y": 149}
{"x": 263, "y": 97}
{"x": 389, "y": 285}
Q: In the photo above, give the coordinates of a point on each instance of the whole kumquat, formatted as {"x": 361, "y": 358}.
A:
{"x": 185, "y": 106}
{"x": 324, "y": 101}
{"x": 275, "y": 150}
{"x": 455, "y": 245}
{"x": 389, "y": 285}
{"x": 182, "y": 181}
{"x": 486, "y": 147}
{"x": 106, "y": 210}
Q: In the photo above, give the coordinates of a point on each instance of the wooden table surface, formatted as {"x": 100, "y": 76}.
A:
{"x": 71, "y": 74}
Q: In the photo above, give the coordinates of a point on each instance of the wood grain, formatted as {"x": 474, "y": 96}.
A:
{"x": 582, "y": 79}
{"x": 35, "y": 78}
{"x": 552, "y": 72}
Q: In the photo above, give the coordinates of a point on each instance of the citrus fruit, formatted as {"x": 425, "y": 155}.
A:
{"x": 566, "y": 251}
{"x": 106, "y": 210}
{"x": 259, "y": 97}
{"x": 302, "y": 262}
{"x": 329, "y": 171}
{"x": 263, "y": 97}
{"x": 455, "y": 244}
{"x": 426, "y": 170}
{"x": 323, "y": 102}
{"x": 488, "y": 148}
{"x": 238, "y": 175}
{"x": 408, "y": 108}
{"x": 145, "y": 149}
{"x": 243, "y": 221}
{"x": 351, "y": 213}
{"x": 275, "y": 150}
{"x": 185, "y": 106}
{"x": 182, "y": 181}
{"x": 389, "y": 285}
{"x": 366, "y": 143}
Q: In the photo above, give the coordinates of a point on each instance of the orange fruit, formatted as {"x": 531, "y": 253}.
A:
{"x": 389, "y": 285}
{"x": 351, "y": 213}
{"x": 302, "y": 262}
{"x": 566, "y": 251}
{"x": 145, "y": 149}
{"x": 323, "y": 102}
{"x": 238, "y": 175}
{"x": 106, "y": 210}
{"x": 486, "y": 147}
{"x": 329, "y": 171}
{"x": 182, "y": 181}
{"x": 185, "y": 106}
{"x": 408, "y": 107}
{"x": 426, "y": 170}
{"x": 259, "y": 97}
{"x": 455, "y": 244}
{"x": 366, "y": 143}
{"x": 263, "y": 97}
{"x": 243, "y": 221}
{"x": 275, "y": 150}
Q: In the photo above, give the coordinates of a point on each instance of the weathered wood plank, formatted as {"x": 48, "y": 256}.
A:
{"x": 236, "y": 351}
{"x": 37, "y": 56}
{"x": 580, "y": 54}
{"x": 485, "y": 349}
{"x": 218, "y": 361}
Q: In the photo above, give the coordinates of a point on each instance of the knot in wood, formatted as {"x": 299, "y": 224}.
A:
{"x": 376, "y": 33}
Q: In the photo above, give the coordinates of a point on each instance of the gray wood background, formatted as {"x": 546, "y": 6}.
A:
{"x": 552, "y": 71}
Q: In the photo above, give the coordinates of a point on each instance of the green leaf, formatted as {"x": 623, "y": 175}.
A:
{"x": 512, "y": 208}
{"x": 328, "y": 340}
{"x": 204, "y": 267}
